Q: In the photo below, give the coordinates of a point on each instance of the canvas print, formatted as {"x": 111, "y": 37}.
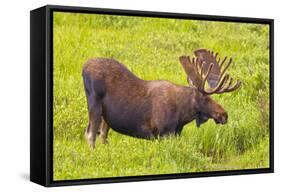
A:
{"x": 136, "y": 96}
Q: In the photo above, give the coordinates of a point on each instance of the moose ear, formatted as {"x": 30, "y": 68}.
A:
{"x": 201, "y": 118}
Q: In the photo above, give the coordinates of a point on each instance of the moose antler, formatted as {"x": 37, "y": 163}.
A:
{"x": 206, "y": 67}
{"x": 209, "y": 57}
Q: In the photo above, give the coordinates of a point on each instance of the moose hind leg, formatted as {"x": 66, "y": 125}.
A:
{"x": 104, "y": 128}
{"x": 95, "y": 112}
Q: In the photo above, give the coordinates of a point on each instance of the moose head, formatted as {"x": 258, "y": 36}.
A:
{"x": 207, "y": 66}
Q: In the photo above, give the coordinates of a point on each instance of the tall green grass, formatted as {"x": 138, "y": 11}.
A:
{"x": 150, "y": 48}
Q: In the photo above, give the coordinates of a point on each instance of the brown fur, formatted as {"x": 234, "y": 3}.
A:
{"x": 143, "y": 109}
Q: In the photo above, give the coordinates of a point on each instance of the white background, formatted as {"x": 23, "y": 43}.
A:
{"x": 14, "y": 94}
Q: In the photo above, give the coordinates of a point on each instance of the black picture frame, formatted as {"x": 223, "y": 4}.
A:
{"x": 41, "y": 94}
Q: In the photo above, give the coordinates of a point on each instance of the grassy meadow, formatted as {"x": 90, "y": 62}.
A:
{"x": 150, "y": 48}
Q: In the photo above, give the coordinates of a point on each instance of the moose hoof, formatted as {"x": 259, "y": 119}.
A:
{"x": 91, "y": 144}
{"x": 90, "y": 140}
{"x": 105, "y": 142}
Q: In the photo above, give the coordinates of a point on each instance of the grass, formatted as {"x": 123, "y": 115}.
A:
{"x": 150, "y": 48}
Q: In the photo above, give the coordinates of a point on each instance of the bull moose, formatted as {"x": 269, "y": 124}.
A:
{"x": 150, "y": 109}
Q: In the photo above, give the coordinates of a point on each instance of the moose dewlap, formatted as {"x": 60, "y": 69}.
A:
{"x": 120, "y": 100}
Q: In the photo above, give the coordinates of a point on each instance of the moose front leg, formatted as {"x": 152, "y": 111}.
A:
{"x": 95, "y": 117}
